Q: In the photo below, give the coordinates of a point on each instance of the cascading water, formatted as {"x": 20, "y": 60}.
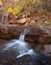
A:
{"x": 22, "y": 36}
{"x": 20, "y": 45}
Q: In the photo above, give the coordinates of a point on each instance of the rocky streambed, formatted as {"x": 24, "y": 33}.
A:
{"x": 37, "y": 37}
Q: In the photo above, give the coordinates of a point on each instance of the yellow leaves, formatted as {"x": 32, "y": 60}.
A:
{"x": 10, "y": 10}
{"x": 16, "y": 10}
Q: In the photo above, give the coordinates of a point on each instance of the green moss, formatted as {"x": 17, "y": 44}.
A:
{"x": 17, "y": 9}
{"x": 49, "y": 24}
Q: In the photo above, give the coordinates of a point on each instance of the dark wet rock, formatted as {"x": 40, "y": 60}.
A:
{"x": 9, "y": 58}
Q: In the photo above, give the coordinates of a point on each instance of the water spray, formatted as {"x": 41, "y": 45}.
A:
{"x": 20, "y": 46}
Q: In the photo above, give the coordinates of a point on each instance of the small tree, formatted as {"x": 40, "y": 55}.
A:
{"x": 6, "y": 4}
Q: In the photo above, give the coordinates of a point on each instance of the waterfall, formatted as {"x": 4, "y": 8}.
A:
{"x": 20, "y": 45}
{"x": 22, "y": 36}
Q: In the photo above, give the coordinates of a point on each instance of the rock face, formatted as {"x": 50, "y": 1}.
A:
{"x": 14, "y": 31}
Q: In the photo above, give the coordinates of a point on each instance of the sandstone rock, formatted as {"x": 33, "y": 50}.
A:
{"x": 22, "y": 21}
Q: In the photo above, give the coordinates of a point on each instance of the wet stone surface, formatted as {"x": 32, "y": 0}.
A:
{"x": 9, "y": 58}
{"x": 12, "y": 31}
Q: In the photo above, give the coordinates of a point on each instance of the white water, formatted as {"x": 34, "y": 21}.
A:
{"x": 22, "y": 36}
{"x": 20, "y": 45}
